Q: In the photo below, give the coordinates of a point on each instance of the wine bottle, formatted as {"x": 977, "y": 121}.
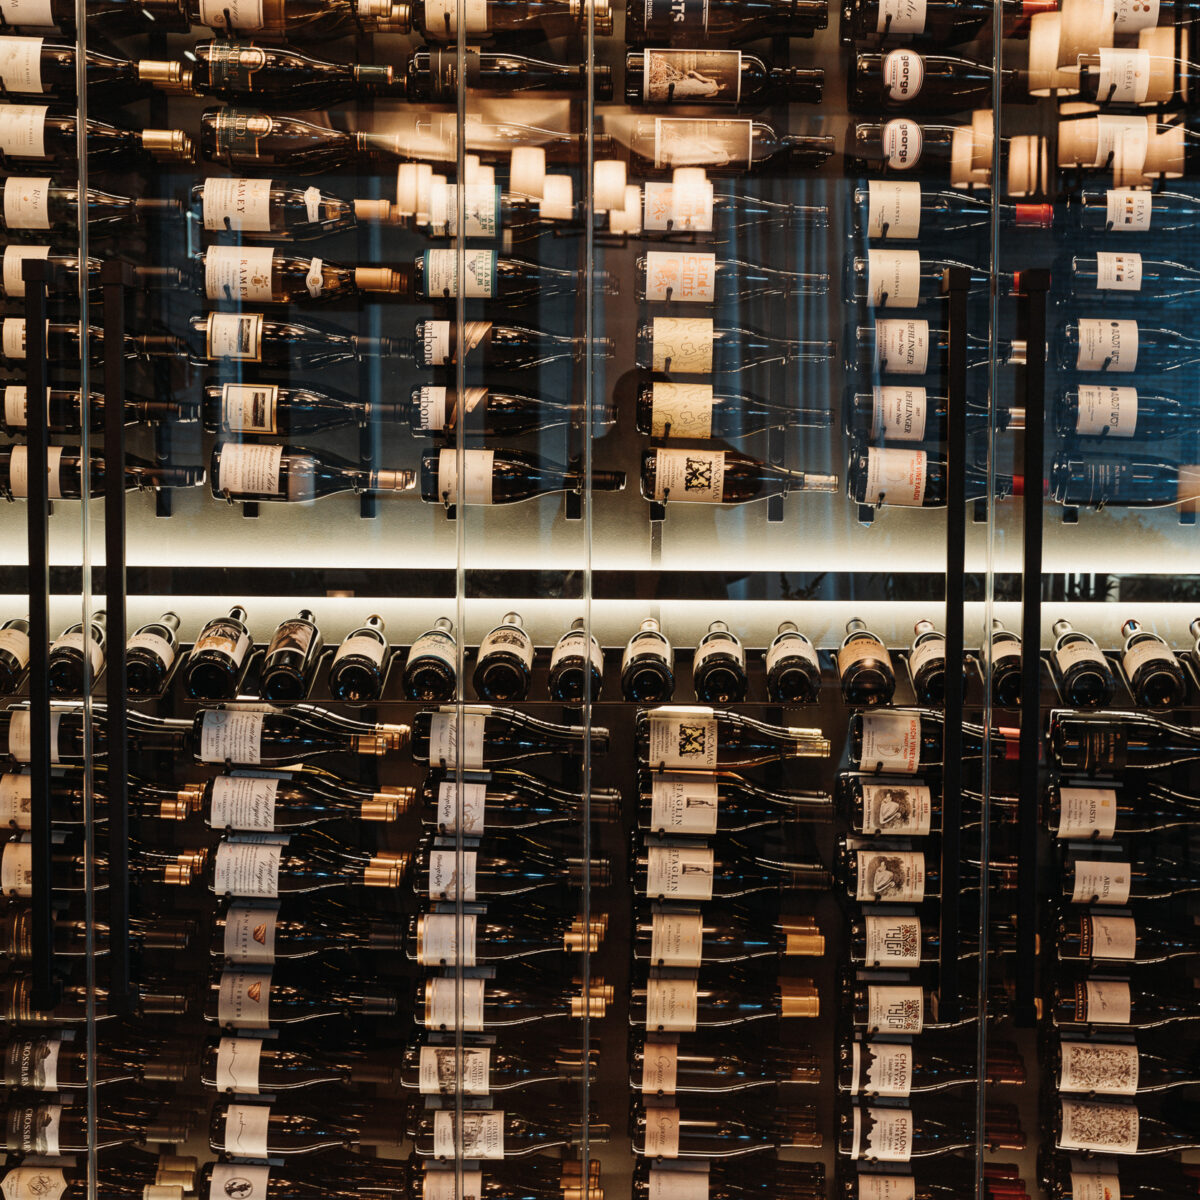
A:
{"x": 214, "y": 665}
{"x": 343, "y": 1181}
{"x": 678, "y": 802}
{"x": 911, "y": 81}
{"x": 265, "y": 210}
{"x": 1105, "y": 411}
{"x": 260, "y": 803}
{"x": 290, "y": 659}
{"x": 702, "y": 476}
{"x": 501, "y": 347}
{"x": 56, "y": 1129}
{"x": 14, "y": 653}
{"x": 359, "y": 664}
{"x": 927, "y": 664}
{"x": 65, "y": 410}
{"x": 1121, "y": 346}
{"x": 699, "y": 346}
{"x": 504, "y": 477}
{"x": 486, "y": 412}
{"x": 902, "y": 807}
{"x": 662, "y": 75}
{"x": 906, "y": 1008}
{"x": 273, "y": 739}
{"x": 76, "y": 658}
{"x": 670, "y": 936}
{"x": 648, "y": 665}
{"x": 731, "y": 998}
{"x": 1124, "y": 276}
{"x": 500, "y": 1133}
{"x": 669, "y": 1133}
{"x": 252, "y": 1066}
{"x": 47, "y": 134}
{"x": 1002, "y": 662}
{"x": 506, "y": 282}
{"x": 699, "y": 277}
{"x": 299, "y": 21}
{"x": 53, "y": 1062}
{"x": 1109, "y": 1128}
{"x": 431, "y": 74}
{"x": 576, "y": 666}
{"x": 901, "y": 940}
{"x": 898, "y": 346}
{"x": 1154, "y": 674}
{"x": 249, "y": 936}
{"x": 902, "y": 209}
{"x": 865, "y": 670}
{"x": 719, "y": 666}
{"x": 923, "y": 1130}
{"x": 486, "y": 1005}
{"x": 1095, "y": 482}
{"x": 695, "y": 410}
{"x": 150, "y": 654}
{"x": 705, "y": 739}
{"x": 721, "y": 147}
{"x": 872, "y": 1068}
{"x": 1084, "y": 676}
{"x": 450, "y": 939}
{"x": 793, "y": 669}
{"x": 938, "y": 23}
{"x": 78, "y": 1003}
{"x": 909, "y": 741}
{"x": 431, "y": 669}
{"x": 1105, "y": 880}
{"x": 508, "y": 864}
{"x": 1104, "y": 813}
{"x": 1075, "y": 1177}
{"x": 890, "y": 475}
{"x": 282, "y": 1130}
{"x": 1098, "y": 937}
{"x": 259, "y": 471}
{"x": 64, "y": 271}
{"x": 46, "y": 67}
{"x": 728, "y": 1179}
{"x": 264, "y": 275}
{"x": 518, "y": 22}
{"x": 1119, "y": 742}
{"x": 723, "y": 215}
{"x": 277, "y": 345}
{"x": 664, "y": 870}
{"x": 263, "y": 998}
{"x": 435, "y": 1069}
{"x": 66, "y": 470}
{"x": 723, "y": 22}
{"x": 70, "y": 935}
{"x": 659, "y": 1066}
{"x": 1131, "y": 210}
{"x": 29, "y": 203}
{"x": 504, "y": 661}
{"x": 491, "y": 737}
{"x": 887, "y": 278}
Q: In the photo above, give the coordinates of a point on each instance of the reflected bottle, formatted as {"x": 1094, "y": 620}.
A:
{"x": 150, "y": 654}
{"x": 76, "y": 659}
{"x": 431, "y": 669}
{"x": 721, "y": 147}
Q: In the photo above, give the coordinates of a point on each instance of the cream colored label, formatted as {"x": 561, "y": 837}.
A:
{"x": 247, "y": 869}
{"x": 81, "y": 645}
{"x": 895, "y": 1009}
{"x": 451, "y": 876}
{"x": 1130, "y": 16}
{"x": 250, "y": 934}
{"x": 482, "y": 204}
{"x": 238, "y": 1061}
{"x": 229, "y": 736}
{"x": 242, "y": 15}
{"x": 239, "y": 273}
{"x": 1107, "y": 411}
{"x": 243, "y": 1181}
{"x": 1129, "y": 209}
{"x": 893, "y": 208}
{"x": 682, "y": 803}
{"x": 576, "y": 644}
{"x": 691, "y": 142}
{"x": 896, "y": 477}
{"x": 441, "y": 1008}
{"x": 683, "y": 345}
{"x": 1123, "y": 141}
{"x": 1118, "y": 272}
{"x": 681, "y": 276}
{"x": 27, "y": 200}
{"x": 21, "y": 65}
{"x": 932, "y": 649}
{"x": 1106, "y": 345}
{"x": 16, "y": 406}
{"x": 445, "y": 739}
{"x": 899, "y": 16}
{"x": 1100, "y": 882}
{"x": 689, "y": 476}
{"x": 791, "y": 645}
{"x": 441, "y": 273}
{"x": 1101, "y": 1068}
{"x": 1095, "y": 1187}
{"x": 250, "y": 469}
{"x": 888, "y": 1071}
{"x": 892, "y": 942}
{"x": 443, "y": 1185}
{"x": 445, "y": 1070}
{"x": 441, "y": 18}
{"x": 724, "y": 645}
{"x": 1109, "y": 1001}
{"x": 1086, "y": 812}
{"x": 482, "y": 1135}
{"x": 23, "y": 130}
{"x": 434, "y": 645}
{"x": 662, "y": 1133}
{"x": 244, "y": 1000}
{"x": 898, "y": 413}
{"x": 462, "y": 806}
{"x": 246, "y": 1127}
{"x": 1113, "y": 937}
{"x": 440, "y": 942}
{"x": 14, "y": 265}
{"x": 677, "y": 939}
{"x": 897, "y": 809}
{"x": 672, "y": 1005}
{"x": 16, "y": 869}
{"x": 244, "y": 803}
{"x": 476, "y": 481}
{"x": 903, "y": 74}
{"x": 1124, "y": 75}
{"x": 902, "y": 141}
{"x": 235, "y": 336}
{"x": 887, "y": 1187}
{"x": 1079, "y": 651}
{"x": 891, "y": 742}
{"x": 687, "y": 208}
{"x": 682, "y": 738}
{"x": 33, "y": 1183}
{"x": 883, "y": 1134}
{"x": 16, "y": 800}
{"x": 363, "y": 646}
{"x": 677, "y": 1185}
{"x": 901, "y": 347}
{"x": 660, "y": 1067}
{"x": 155, "y": 644}
{"x": 236, "y": 204}
{"x": 680, "y": 873}
{"x": 1149, "y": 650}
{"x": 1103, "y": 1128}
{"x": 896, "y": 876}
{"x": 13, "y": 338}
{"x": 508, "y": 639}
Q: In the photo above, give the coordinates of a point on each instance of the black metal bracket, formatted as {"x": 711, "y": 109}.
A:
{"x": 775, "y": 451}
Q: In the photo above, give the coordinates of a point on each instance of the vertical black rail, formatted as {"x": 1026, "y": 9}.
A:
{"x": 37, "y": 505}
{"x": 1034, "y": 286}
{"x": 952, "y": 737}
{"x": 115, "y": 277}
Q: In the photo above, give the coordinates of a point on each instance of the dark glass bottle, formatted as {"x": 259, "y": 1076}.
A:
{"x": 260, "y": 803}
{"x": 263, "y": 998}
{"x": 659, "y": 1066}
{"x": 501, "y": 347}
{"x": 910, "y": 81}
{"x": 39, "y": 133}
{"x": 704, "y": 739}
{"x": 678, "y": 802}
{"x": 864, "y": 666}
{"x": 76, "y": 659}
{"x": 521, "y": 1133}
{"x": 1112, "y": 411}
{"x": 1102, "y": 813}
{"x": 663, "y": 870}
{"x": 215, "y": 663}
{"x": 272, "y": 739}
{"x": 648, "y": 665}
{"x": 150, "y": 654}
{"x": 54, "y": 1129}
{"x": 1110, "y": 744}
{"x": 431, "y": 669}
{"x": 283, "y": 1130}
{"x": 576, "y": 666}
{"x": 448, "y": 939}
{"x": 70, "y": 478}
{"x": 359, "y": 665}
{"x": 1119, "y": 940}
{"x": 1111, "y": 1128}
{"x": 504, "y": 477}
{"x": 14, "y": 653}
{"x": 935, "y": 23}
{"x": 701, "y": 1133}
{"x": 1084, "y": 675}
{"x": 267, "y": 210}
{"x": 436, "y": 1069}
{"x": 793, "y": 669}
{"x": 291, "y": 659}
{"x": 265, "y": 275}
{"x": 728, "y": 998}
{"x": 721, "y": 23}
{"x": 1098, "y": 1068}
{"x": 224, "y": 337}
{"x": 297, "y": 18}
{"x": 695, "y": 410}
{"x": 432, "y": 74}
{"x": 866, "y": 1067}
{"x": 886, "y": 476}
{"x": 253, "y": 936}
{"x": 491, "y": 737}
{"x": 729, "y": 1180}
{"x": 927, "y": 664}
{"x": 436, "y": 410}
{"x": 34, "y": 204}
{"x": 489, "y": 1006}
{"x": 719, "y": 666}
{"x": 268, "y": 472}
{"x": 668, "y": 936}
{"x": 662, "y": 75}
{"x": 909, "y": 741}
{"x": 924, "y": 1130}
{"x": 1005, "y": 667}
{"x": 504, "y": 662}
{"x": 701, "y": 476}
{"x": 251, "y": 1066}
{"x": 1155, "y": 676}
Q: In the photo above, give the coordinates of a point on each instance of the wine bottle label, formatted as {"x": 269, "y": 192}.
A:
{"x": 16, "y": 800}
{"x": 1118, "y": 272}
{"x": 243, "y": 15}
{"x": 684, "y": 804}
{"x": 647, "y": 644}
{"x": 443, "y": 1185}
{"x": 243, "y": 803}
{"x": 895, "y": 1009}
{"x": 32, "y": 1063}
{"x": 441, "y": 273}
{"x": 226, "y": 637}
{"x": 896, "y": 809}
{"x": 445, "y": 1070}
{"x": 294, "y": 636}
{"x": 27, "y": 199}
{"x": 239, "y": 273}
{"x": 1086, "y": 812}
{"x": 482, "y": 204}
{"x": 1107, "y": 411}
{"x": 682, "y": 737}
{"x": 19, "y": 736}
{"x": 898, "y": 413}
{"x": 686, "y": 207}
{"x": 1079, "y": 651}
{"x": 448, "y": 880}
{"x": 444, "y": 739}
{"x": 888, "y": 1187}
{"x": 723, "y": 645}
{"x": 441, "y": 18}
{"x": 1149, "y": 650}
{"x": 682, "y": 873}
{"x": 691, "y": 76}
{"x": 892, "y": 942}
{"x": 893, "y": 208}
{"x": 229, "y": 736}
{"x": 32, "y": 1183}
{"x": 662, "y": 1132}
{"x": 23, "y": 130}
{"x": 677, "y": 939}
{"x": 236, "y": 204}
{"x": 154, "y": 644}
{"x": 1130, "y": 16}
{"x": 576, "y": 644}
{"x": 1104, "y": 1001}
{"x": 1129, "y": 208}
{"x": 1098, "y": 1067}
{"x": 1086, "y": 1186}
{"x": 441, "y": 1004}
{"x": 888, "y": 1069}
{"x": 899, "y": 16}
{"x": 440, "y": 942}
{"x": 901, "y": 347}
{"x": 462, "y": 806}
{"x": 232, "y": 65}
{"x": 477, "y": 478}
{"x": 691, "y": 476}
{"x": 682, "y": 276}
{"x": 238, "y": 1062}
{"x": 677, "y": 1185}
{"x": 1100, "y": 882}
{"x": 82, "y": 646}
{"x": 16, "y": 869}
{"x": 14, "y": 264}
{"x": 895, "y": 876}
{"x": 434, "y": 645}
{"x": 932, "y": 649}
{"x": 363, "y": 646}
{"x": 903, "y": 74}
{"x": 1107, "y": 345}
{"x": 21, "y": 65}
{"x": 691, "y": 142}
{"x": 902, "y": 141}
{"x": 891, "y": 741}
{"x": 250, "y": 934}
{"x": 1104, "y": 1128}
{"x": 246, "y": 1128}
{"x": 244, "y": 1000}
{"x": 234, "y": 336}
{"x": 312, "y": 205}
{"x": 13, "y": 345}
{"x": 895, "y": 477}
{"x": 883, "y": 1134}
{"x": 247, "y": 869}
{"x": 683, "y": 345}
{"x": 1109, "y": 937}
{"x": 240, "y": 1181}
{"x": 247, "y": 468}
{"x": 1124, "y": 75}
{"x": 1121, "y": 141}
{"x": 506, "y": 639}
{"x": 34, "y": 1129}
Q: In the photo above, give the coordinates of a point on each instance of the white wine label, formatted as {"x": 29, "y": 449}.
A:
{"x": 688, "y": 208}
{"x": 895, "y": 876}
{"x": 77, "y": 642}
{"x": 902, "y": 347}
{"x": 447, "y": 879}
{"x": 239, "y": 1181}
{"x": 155, "y": 644}
{"x": 231, "y": 736}
{"x": 444, "y": 1069}
{"x": 691, "y": 76}
{"x": 899, "y": 16}
{"x": 1128, "y": 208}
{"x": 507, "y": 639}
{"x": 441, "y": 1004}
{"x": 902, "y": 141}
{"x": 883, "y": 1134}
{"x": 236, "y": 204}
{"x": 21, "y": 65}
{"x": 679, "y": 872}
{"x": 243, "y": 15}
{"x": 14, "y": 265}
{"x": 250, "y": 934}
{"x": 683, "y": 345}
{"x": 1124, "y": 75}
{"x": 443, "y": 1185}
{"x": 895, "y": 1009}
{"x": 677, "y": 939}
{"x": 13, "y": 342}
{"x": 892, "y": 942}
{"x": 1143, "y": 652}
{"x": 477, "y": 477}
{"x": 690, "y": 142}
{"x": 23, "y": 130}
{"x": 441, "y": 18}
{"x": 235, "y": 336}
{"x": 1086, "y": 812}
{"x": 444, "y": 739}
{"x": 247, "y": 869}
{"x": 1130, "y": 16}
{"x": 1107, "y": 345}
{"x": 722, "y": 645}
{"x": 434, "y": 645}
{"x": 576, "y": 644}
{"x": 682, "y": 737}
{"x": 691, "y": 476}
{"x": 1102, "y": 1068}
{"x": 682, "y": 276}
{"x": 897, "y": 809}
{"x": 1112, "y": 937}
{"x": 903, "y": 74}
{"x": 1100, "y": 882}
{"x": 889, "y": 1071}
{"x": 1107, "y": 411}
{"x": 16, "y": 800}
{"x": 891, "y": 743}
{"x": 314, "y": 280}
{"x": 791, "y": 645}
{"x": 363, "y": 646}
{"x": 1118, "y": 272}
{"x": 645, "y": 644}
{"x": 898, "y": 413}
{"x": 1079, "y": 651}
{"x": 462, "y": 806}
{"x": 1123, "y": 141}
{"x": 244, "y": 1000}
{"x": 930, "y": 650}
{"x": 238, "y": 1061}
{"x": 887, "y": 1187}
{"x": 440, "y": 942}
{"x": 16, "y": 869}
{"x": 436, "y": 340}
{"x": 682, "y": 803}
{"x": 16, "y": 411}
{"x": 1108, "y": 1001}
{"x": 244, "y": 803}
{"x": 677, "y": 1185}
{"x": 482, "y": 210}
{"x": 1103, "y": 1128}
{"x": 246, "y": 1128}
{"x": 33, "y": 1183}
{"x": 27, "y": 199}
{"x": 19, "y": 735}
{"x": 34, "y": 1129}
{"x": 660, "y": 1067}
{"x": 662, "y": 1132}
{"x": 482, "y": 1135}
{"x": 239, "y": 273}
{"x": 893, "y": 208}
{"x": 1095, "y": 1187}
{"x": 441, "y": 273}
{"x": 250, "y": 469}
{"x": 431, "y": 405}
